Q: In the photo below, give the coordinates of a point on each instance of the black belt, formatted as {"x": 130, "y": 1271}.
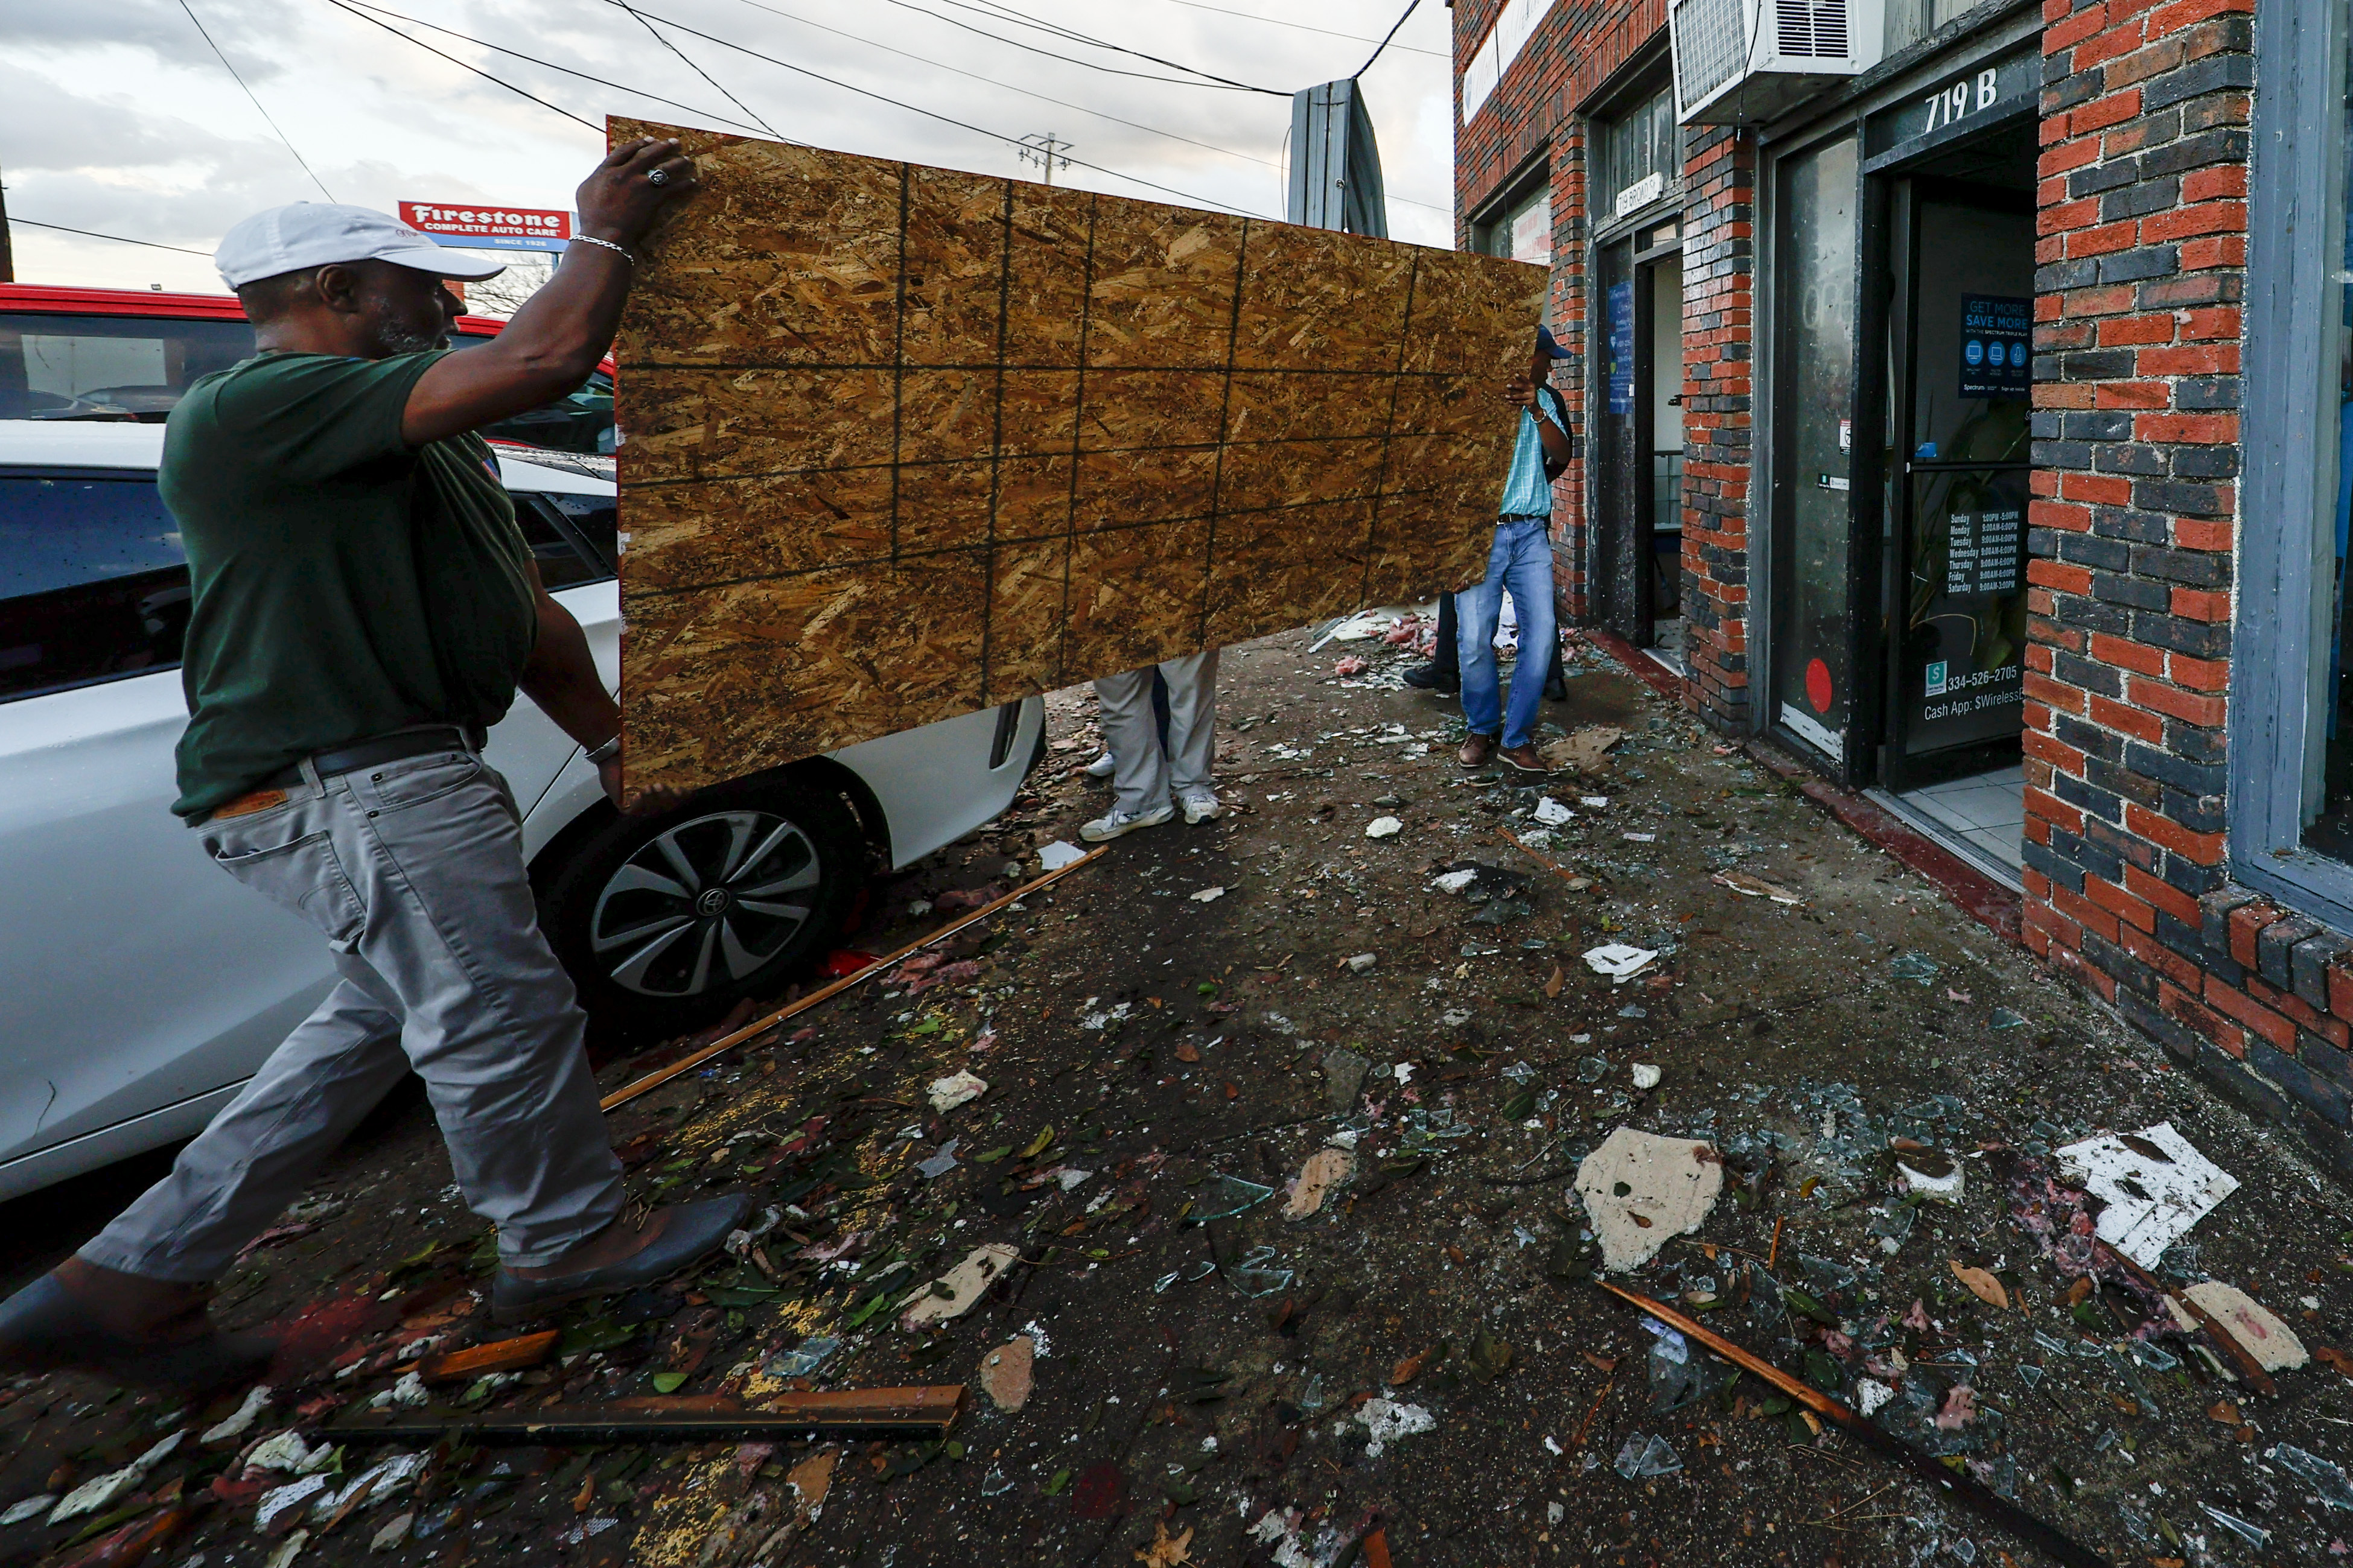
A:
{"x": 383, "y": 748}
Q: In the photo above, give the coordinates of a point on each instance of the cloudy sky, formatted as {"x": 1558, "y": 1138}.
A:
{"x": 118, "y": 117}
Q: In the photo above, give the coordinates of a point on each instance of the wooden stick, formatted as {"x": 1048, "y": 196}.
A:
{"x": 1960, "y": 1483}
{"x": 1774, "y": 1256}
{"x": 480, "y": 1361}
{"x": 847, "y": 1413}
{"x": 693, "y": 1060}
{"x": 1556, "y": 867}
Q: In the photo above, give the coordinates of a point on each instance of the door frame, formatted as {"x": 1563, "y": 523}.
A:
{"x": 1896, "y": 332}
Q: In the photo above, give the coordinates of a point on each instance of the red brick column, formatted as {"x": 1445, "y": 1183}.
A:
{"x": 1719, "y": 267}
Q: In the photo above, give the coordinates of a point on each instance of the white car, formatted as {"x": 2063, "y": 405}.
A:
{"x": 140, "y": 987}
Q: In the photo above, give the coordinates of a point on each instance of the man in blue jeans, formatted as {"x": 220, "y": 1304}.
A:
{"x": 1521, "y": 560}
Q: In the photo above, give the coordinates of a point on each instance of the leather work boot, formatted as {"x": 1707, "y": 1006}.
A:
{"x": 1477, "y": 749}
{"x": 143, "y": 1332}
{"x": 1433, "y": 677}
{"x": 621, "y": 1256}
{"x": 1524, "y": 759}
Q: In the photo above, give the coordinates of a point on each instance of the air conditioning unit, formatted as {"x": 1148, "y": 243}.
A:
{"x": 1742, "y": 62}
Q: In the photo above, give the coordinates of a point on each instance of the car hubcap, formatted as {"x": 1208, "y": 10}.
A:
{"x": 705, "y": 903}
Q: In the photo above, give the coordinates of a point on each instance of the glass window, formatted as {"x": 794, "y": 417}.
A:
{"x": 1638, "y": 156}
{"x": 571, "y": 535}
{"x": 1524, "y": 232}
{"x": 1909, "y": 21}
{"x": 2288, "y": 764}
{"x": 1813, "y": 631}
{"x": 109, "y": 367}
{"x": 92, "y": 583}
{"x": 2328, "y": 826}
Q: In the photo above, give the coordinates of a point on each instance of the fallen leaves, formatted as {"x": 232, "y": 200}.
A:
{"x": 1982, "y": 1285}
{"x": 1168, "y": 1550}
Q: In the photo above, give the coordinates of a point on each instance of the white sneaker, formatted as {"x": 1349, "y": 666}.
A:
{"x": 1101, "y": 767}
{"x": 1114, "y": 822}
{"x": 1201, "y": 808}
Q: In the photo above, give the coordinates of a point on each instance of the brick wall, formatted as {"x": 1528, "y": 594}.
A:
{"x": 2142, "y": 246}
{"x": 1719, "y": 278}
{"x": 1578, "y": 47}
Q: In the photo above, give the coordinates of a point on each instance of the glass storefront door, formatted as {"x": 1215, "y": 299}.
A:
{"x": 1813, "y": 635}
{"x": 1617, "y": 540}
{"x": 1959, "y": 658}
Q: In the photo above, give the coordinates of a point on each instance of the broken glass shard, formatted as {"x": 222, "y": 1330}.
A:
{"x": 1644, "y": 1457}
{"x": 1223, "y": 1196}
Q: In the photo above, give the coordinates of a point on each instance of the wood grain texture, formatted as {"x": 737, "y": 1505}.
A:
{"x": 900, "y": 443}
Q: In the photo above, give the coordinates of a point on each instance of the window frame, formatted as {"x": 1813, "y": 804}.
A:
{"x": 1493, "y": 223}
{"x": 2296, "y": 240}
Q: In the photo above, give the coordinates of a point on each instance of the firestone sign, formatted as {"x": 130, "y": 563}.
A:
{"x": 480, "y": 228}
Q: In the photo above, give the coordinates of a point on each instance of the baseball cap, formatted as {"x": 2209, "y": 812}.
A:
{"x": 1549, "y": 346}
{"x": 313, "y": 234}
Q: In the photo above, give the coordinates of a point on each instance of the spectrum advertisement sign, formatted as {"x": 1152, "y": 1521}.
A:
{"x": 474, "y": 226}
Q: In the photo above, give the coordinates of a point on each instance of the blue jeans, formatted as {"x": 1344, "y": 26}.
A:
{"x": 1522, "y": 561}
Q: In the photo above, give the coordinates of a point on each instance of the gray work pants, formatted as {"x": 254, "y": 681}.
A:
{"x": 413, "y": 871}
{"x": 1143, "y": 774}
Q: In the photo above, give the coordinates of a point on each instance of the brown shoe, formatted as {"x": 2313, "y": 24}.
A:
{"x": 1477, "y": 749}
{"x": 152, "y": 1333}
{"x": 1526, "y": 760}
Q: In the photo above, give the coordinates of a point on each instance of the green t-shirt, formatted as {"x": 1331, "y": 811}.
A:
{"x": 342, "y": 584}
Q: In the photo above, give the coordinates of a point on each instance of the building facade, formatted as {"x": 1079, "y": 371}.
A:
{"x": 1968, "y": 418}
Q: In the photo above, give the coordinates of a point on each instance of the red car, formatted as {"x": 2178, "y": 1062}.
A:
{"x": 118, "y": 353}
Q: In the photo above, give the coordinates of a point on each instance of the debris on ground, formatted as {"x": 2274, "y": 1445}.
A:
{"x": 1252, "y": 1195}
{"x": 1641, "y": 1189}
{"x": 1620, "y": 961}
{"x": 2154, "y": 1185}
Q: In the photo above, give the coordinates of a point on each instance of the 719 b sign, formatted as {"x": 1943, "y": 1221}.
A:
{"x": 1963, "y": 98}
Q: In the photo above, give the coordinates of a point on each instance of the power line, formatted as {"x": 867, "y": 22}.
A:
{"x": 118, "y": 238}
{"x": 1042, "y": 98}
{"x": 1209, "y": 79}
{"x": 934, "y": 114}
{"x": 499, "y": 81}
{"x": 240, "y": 82}
{"x": 1411, "y": 6}
{"x": 1009, "y": 86}
{"x": 698, "y": 70}
{"x": 551, "y": 65}
{"x": 1303, "y": 27}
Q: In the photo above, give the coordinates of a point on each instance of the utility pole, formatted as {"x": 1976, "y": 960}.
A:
{"x": 1046, "y": 151}
{"x": 8, "y": 254}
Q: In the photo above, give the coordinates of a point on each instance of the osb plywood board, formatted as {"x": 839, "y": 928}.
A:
{"x": 901, "y": 443}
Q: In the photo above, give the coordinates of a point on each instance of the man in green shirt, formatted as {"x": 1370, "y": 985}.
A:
{"x": 364, "y": 609}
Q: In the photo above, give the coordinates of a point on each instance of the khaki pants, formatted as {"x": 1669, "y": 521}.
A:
{"x": 1144, "y": 774}
{"x": 413, "y": 872}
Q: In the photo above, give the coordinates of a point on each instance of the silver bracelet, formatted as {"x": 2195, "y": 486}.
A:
{"x": 592, "y": 239}
{"x": 598, "y": 755}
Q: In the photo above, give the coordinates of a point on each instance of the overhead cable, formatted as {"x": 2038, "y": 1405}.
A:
{"x": 1303, "y": 27}
{"x": 118, "y": 238}
{"x": 934, "y": 114}
{"x": 499, "y": 81}
{"x": 1411, "y": 6}
{"x": 240, "y": 82}
{"x": 1043, "y": 97}
{"x": 551, "y": 65}
{"x": 665, "y": 42}
{"x": 1009, "y": 86}
{"x": 999, "y": 13}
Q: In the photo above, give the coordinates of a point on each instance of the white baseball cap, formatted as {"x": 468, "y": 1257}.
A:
{"x": 313, "y": 234}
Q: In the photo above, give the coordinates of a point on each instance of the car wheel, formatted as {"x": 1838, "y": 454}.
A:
{"x": 666, "y": 921}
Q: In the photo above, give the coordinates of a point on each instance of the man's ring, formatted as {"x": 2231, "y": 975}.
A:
{"x": 658, "y": 177}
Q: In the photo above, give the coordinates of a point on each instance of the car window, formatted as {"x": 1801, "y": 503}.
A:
{"x": 94, "y": 583}
{"x": 580, "y": 422}
{"x": 93, "y": 586}
{"x": 109, "y": 367}
{"x": 572, "y": 536}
